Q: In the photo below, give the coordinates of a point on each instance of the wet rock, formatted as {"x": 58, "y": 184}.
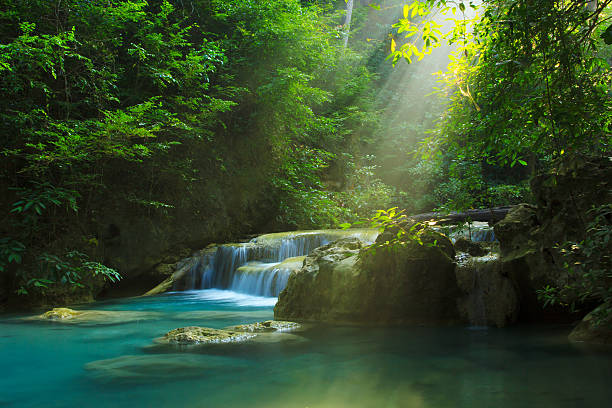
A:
{"x": 183, "y": 273}
{"x": 203, "y": 335}
{"x": 593, "y": 329}
{"x": 473, "y": 248}
{"x": 267, "y": 326}
{"x": 345, "y": 282}
{"x": 489, "y": 297}
{"x": 60, "y": 313}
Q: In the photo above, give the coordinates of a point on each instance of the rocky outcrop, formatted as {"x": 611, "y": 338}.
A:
{"x": 530, "y": 235}
{"x": 403, "y": 284}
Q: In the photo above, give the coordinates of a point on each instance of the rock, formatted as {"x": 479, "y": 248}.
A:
{"x": 267, "y": 326}
{"x": 203, "y": 335}
{"x": 60, "y": 313}
{"x": 159, "y": 367}
{"x": 199, "y": 339}
{"x": 588, "y": 331}
{"x": 345, "y": 282}
{"x": 92, "y": 317}
{"x": 530, "y": 236}
{"x": 184, "y": 272}
{"x": 472, "y": 248}
{"x": 489, "y": 298}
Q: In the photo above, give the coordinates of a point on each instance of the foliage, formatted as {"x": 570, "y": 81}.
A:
{"x": 397, "y": 228}
{"x": 70, "y": 269}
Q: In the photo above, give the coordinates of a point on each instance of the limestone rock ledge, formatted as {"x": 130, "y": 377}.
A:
{"x": 346, "y": 282}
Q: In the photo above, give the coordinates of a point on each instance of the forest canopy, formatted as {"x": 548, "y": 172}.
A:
{"x": 242, "y": 116}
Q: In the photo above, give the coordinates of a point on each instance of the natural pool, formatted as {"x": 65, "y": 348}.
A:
{"x": 44, "y": 363}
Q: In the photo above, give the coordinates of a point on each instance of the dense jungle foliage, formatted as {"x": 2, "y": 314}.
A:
{"x": 249, "y": 116}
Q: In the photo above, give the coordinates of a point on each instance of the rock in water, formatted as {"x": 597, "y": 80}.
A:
{"x": 203, "y": 335}
{"x": 92, "y": 317}
{"x": 345, "y": 282}
{"x": 159, "y": 367}
{"x": 267, "y": 326}
{"x": 490, "y": 298}
{"x": 589, "y": 330}
{"x": 58, "y": 313}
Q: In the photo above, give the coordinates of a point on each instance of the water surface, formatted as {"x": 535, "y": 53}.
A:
{"x": 49, "y": 364}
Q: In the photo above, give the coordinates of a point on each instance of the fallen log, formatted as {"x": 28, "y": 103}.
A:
{"x": 491, "y": 215}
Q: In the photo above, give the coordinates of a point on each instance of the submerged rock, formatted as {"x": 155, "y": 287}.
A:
{"x": 92, "y": 317}
{"x": 267, "y": 326}
{"x": 159, "y": 367}
{"x": 345, "y": 282}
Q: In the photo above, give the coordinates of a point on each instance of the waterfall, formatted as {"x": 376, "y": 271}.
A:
{"x": 477, "y": 232}
{"x": 262, "y": 266}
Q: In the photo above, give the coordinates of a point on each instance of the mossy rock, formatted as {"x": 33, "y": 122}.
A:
{"x": 203, "y": 335}
{"x": 347, "y": 282}
{"x": 91, "y": 317}
{"x": 471, "y": 247}
{"x": 60, "y": 313}
{"x": 267, "y": 326}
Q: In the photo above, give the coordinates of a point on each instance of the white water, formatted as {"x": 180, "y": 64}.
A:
{"x": 228, "y": 297}
{"x": 262, "y": 266}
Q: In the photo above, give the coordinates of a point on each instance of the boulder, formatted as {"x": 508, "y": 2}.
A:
{"x": 593, "y": 329}
{"x": 473, "y": 248}
{"x": 346, "y": 281}
{"x": 199, "y": 339}
{"x": 203, "y": 335}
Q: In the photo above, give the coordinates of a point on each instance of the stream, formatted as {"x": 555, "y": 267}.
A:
{"x": 110, "y": 363}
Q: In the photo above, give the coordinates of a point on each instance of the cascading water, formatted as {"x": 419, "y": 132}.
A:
{"x": 476, "y": 232}
{"x": 262, "y": 266}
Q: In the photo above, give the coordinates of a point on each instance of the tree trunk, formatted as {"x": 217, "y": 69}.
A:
{"x": 347, "y": 21}
{"x": 491, "y": 215}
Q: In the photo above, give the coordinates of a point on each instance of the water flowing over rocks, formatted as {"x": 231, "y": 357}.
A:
{"x": 489, "y": 297}
{"x": 260, "y": 267}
